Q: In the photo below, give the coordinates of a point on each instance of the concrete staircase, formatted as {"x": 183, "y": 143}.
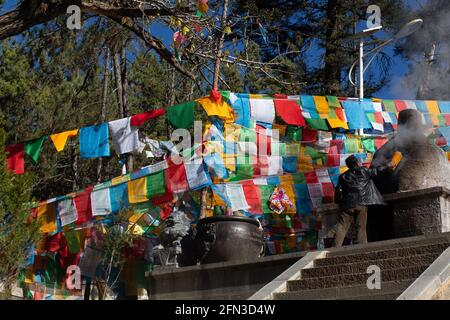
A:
{"x": 342, "y": 274}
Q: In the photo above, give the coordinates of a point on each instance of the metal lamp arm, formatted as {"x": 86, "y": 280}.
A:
{"x": 376, "y": 50}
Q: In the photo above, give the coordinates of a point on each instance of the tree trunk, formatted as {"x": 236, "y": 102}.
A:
{"x": 220, "y": 46}
{"x": 332, "y": 70}
{"x": 118, "y": 77}
{"x": 103, "y": 113}
{"x": 216, "y": 87}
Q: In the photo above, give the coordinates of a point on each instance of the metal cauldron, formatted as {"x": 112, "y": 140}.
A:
{"x": 222, "y": 238}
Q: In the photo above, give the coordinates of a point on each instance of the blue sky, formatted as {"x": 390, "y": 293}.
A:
{"x": 399, "y": 65}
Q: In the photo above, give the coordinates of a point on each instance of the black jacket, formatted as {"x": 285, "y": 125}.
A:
{"x": 356, "y": 188}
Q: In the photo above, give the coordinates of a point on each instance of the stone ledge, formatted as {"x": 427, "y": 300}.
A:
{"x": 244, "y": 263}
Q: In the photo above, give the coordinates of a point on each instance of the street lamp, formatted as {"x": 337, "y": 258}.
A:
{"x": 405, "y": 31}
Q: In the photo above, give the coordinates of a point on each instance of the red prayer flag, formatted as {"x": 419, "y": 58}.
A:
{"x": 378, "y": 117}
{"x": 83, "y": 206}
{"x": 400, "y": 105}
{"x": 447, "y": 119}
{"x": 139, "y": 119}
{"x": 253, "y": 196}
{"x": 215, "y": 95}
{"x": 380, "y": 141}
{"x": 311, "y": 177}
{"x": 261, "y": 166}
{"x": 336, "y": 145}
{"x": 309, "y": 135}
{"x": 280, "y": 96}
{"x": 263, "y": 142}
{"x": 290, "y": 112}
{"x": 340, "y": 114}
{"x": 53, "y": 243}
{"x": 161, "y": 199}
{"x": 333, "y": 160}
{"x": 328, "y": 191}
{"x": 175, "y": 176}
{"x": 15, "y": 158}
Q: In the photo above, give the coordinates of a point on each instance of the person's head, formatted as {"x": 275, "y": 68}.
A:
{"x": 352, "y": 162}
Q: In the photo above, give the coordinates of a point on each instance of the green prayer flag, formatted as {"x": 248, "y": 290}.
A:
{"x": 389, "y": 106}
{"x": 333, "y": 102}
{"x": 332, "y": 114}
{"x": 266, "y": 192}
{"x": 156, "y": 184}
{"x": 313, "y": 153}
{"x": 33, "y": 148}
{"x": 369, "y": 144}
{"x": 181, "y": 115}
{"x": 293, "y": 149}
{"x": 278, "y": 149}
{"x": 299, "y": 178}
{"x": 73, "y": 242}
{"x": 244, "y": 167}
{"x": 247, "y": 135}
{"x": 225, "y": 94}
{"x": 351, "y": 146}
{"x": 294, "y": 133}
{"x": 319, "y": 124}
{"x": 441, "y": 119}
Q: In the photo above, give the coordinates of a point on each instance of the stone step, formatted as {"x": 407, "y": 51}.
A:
{"x": 388, "y": 296}
{"x": 386, "y": 253}
{"x": 389, "y": 287}
{"x": 391, "y": 244}
{"x": 355, "y": 279}
{"x": 361, "y": 267}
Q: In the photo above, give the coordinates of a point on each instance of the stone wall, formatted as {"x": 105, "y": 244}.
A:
{"x": 217, "y": 281}
{"x": 408, "y": 214}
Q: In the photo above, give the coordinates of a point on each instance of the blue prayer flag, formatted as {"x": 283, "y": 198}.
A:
{"x": 308, "y": 105}
{"x": 356, "y": 116}
{"x": 290, "y": 164}
{"x": 444, "y": 106}
{"x": 242, "y": 108}
{"x": 94, "y": 141}
{"x": 119, "y": 197}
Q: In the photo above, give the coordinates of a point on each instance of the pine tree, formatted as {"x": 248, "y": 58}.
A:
{"x": 17, "y": 233}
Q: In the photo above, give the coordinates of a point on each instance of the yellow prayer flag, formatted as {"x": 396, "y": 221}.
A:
{"x": 230, "y": 161}
{"x": 322, "y": 106}
{"x": 281, "y": 129}
{"x": 337, "y": 123}
{"x": 303, "y": 167}
{"x": 60, "y": 139}
{"x": 46, "y": 214}
{"x": 137, "y": 190}
{"x": 217, "y": 200}
{"x": 232, "y": 132}
{"x": 220, "y": 109}
{"x": 343, "y": 170}
{"x": 256, "y": 96}
{"x": 29, "y": 275}
{"x": 288, "y": 187}
{"x": 118, "y": 180}
{"x": 432, "y": 106}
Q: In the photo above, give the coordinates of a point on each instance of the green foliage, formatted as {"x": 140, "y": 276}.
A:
{"x": 17, "y": 233}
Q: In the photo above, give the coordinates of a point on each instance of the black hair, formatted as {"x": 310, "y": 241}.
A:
{"x": 351, "y": 162}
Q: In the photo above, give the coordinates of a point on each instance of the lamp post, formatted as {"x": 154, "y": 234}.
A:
{"x": 405, "y": 31}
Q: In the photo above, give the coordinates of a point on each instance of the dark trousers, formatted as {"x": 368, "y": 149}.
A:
{"x": 359, "y": 215}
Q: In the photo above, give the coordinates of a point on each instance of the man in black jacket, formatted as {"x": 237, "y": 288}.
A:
{"x": 354, "y": 192}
